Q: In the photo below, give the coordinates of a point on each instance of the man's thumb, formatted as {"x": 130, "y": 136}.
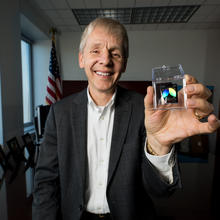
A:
{"x": 148, "y": 100}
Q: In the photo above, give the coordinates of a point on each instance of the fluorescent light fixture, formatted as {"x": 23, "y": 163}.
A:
{"x": 139, "y": 15}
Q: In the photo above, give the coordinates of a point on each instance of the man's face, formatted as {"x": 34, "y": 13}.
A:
{"x": 102, "y": 60}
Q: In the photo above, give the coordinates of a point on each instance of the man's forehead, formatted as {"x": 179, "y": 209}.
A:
{"x": 101, "y": 36}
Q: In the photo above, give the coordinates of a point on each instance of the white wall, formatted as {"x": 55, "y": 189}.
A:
{"x": 152, "y": 49}
{"x": 41, "y": 54}
{"x": 147, "y": 50}
{"x": 69, "y": 44}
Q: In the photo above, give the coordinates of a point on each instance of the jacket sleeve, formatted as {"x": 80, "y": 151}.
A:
{"x": 46, "y": 195}
{"x": 155, "y": 184}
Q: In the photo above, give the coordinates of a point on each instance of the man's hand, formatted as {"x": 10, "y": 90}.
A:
{"x": 166, "y": 127}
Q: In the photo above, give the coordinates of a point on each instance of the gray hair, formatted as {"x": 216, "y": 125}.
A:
{"x": 114, "y": 27}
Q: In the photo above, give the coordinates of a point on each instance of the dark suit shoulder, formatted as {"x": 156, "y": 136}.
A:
{"x": 131, "y": 95}
{"x": 75, "y": 98}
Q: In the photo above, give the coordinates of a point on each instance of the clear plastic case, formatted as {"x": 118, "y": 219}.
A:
{"x": 167, "y": 82}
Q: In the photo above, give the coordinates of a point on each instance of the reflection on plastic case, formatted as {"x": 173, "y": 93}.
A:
{"x": 167, "y": 81}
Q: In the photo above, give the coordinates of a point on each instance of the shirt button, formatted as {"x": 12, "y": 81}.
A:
{"x": 101, "y": 139}
{"x": 80, "y": 207}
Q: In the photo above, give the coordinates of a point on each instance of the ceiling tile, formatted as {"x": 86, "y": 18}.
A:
{"x": 143, "y": 3}
{"x": 190, "y": 26}
{"x": 215, "y": 25}
{"x": 184, "y": 26}
{"x": 59, "y": 4}
{"x": 76, "y": 3}
{"x": 177, "y": 2}
{"x": 205, "y": 10}
{"x": 217, "y": 10}
{"x": 181, "y": 2}
{"x": 193, "y": 2}
{"x": 72, "y": 28}
{"x": 176, "y": 26}
{"x": 109, "y": 4}
{"x": 69, "y": 21}
{"x": 58, "y": 21}
{"x": 65, "y": 13}
{"x": 163, "y": 27}
{"x": 203, "y": 26}
{"x": 207, "y": 16}
{"x": 137, "y": 27}
{"x": 43, "y": 4}
{"x": 212, "y": 2}
{"x": 197, "y": 18}
{"x": 160, "y": 2}
{"x": 52, "y": 14}
{"x": 126, "y": 3}
{"x": 197, "y": 2}
{"x": 150, "y": 27}
{"x": 200, "y": 1}
{"x": 92, "y": 4}
{"x": 64, "y": 29}
{"x": 213, "y": 18}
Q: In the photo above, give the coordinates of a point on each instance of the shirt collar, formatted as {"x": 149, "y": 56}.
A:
{"x": 110, "y": 103}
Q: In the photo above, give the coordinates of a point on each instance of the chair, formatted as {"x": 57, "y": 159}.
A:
{"x": 4, "y": 160}
{"x": 31, "y": 148}
{"x": 16, "y": 151}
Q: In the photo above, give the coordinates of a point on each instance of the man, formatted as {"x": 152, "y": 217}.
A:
{"x": 95, "y": 161}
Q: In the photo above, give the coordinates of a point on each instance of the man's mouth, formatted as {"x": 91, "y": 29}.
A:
{"x": 102, "y": 73}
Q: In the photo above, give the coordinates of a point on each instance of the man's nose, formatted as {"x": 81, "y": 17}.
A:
{"x": 105, "y": 58}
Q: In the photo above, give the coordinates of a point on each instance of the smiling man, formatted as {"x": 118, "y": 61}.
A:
{"x": 105, "y": 150}
{"x": 104, "y": 59}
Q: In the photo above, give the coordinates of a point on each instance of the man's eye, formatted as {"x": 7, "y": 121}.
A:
{"x": 94, "y": 51}
{"x": 116, "y": 55}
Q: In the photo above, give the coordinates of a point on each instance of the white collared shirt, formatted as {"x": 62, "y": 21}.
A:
{"x": 99, "y": 135}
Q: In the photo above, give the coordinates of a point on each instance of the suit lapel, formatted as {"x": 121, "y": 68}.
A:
{"x": 123, "y": 111}
{"x": 121, "y": 121}
{"x": 80, "y": 137}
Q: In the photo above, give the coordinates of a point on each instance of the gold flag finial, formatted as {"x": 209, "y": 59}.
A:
{"x": 53, "y": 31}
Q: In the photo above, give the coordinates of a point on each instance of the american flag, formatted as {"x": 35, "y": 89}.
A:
{"x": 54, "y": 85}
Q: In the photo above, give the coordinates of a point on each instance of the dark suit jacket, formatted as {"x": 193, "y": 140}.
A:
{"x": 60, "y": 178}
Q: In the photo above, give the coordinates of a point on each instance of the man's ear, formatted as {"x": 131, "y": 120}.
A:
{"x": 81, "y": 60}
{"x": 124, "y": 65}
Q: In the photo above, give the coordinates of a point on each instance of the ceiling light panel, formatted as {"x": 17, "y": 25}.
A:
{"x": 139, "y": 15}
{"x": 85, "y": 16}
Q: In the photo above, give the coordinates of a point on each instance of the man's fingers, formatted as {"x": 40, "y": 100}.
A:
{"x": 194, "y": 88}
{"x": 198, "y": 90}
{"x": 201, "y": 106}
{"x": 208, "y": 127}
{"x": 190, "y": 79}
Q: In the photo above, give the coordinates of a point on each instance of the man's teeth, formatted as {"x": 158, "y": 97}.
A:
{"x": 103, "y": 74}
